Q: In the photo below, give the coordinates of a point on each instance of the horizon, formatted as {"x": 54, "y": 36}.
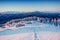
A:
{"x": 28, "y": 12}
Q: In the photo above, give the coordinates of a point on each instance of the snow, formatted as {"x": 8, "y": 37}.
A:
{"x": 44, "y": 31}
{"x": 49, "y": 35}
{"x": 30, "y": 36}
{"x": 21, "y": 36}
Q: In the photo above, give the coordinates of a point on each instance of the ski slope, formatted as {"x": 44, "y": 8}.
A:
{"x": 33, "y": 31}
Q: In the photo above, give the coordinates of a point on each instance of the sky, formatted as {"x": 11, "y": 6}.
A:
{"x": 29, "y": 6}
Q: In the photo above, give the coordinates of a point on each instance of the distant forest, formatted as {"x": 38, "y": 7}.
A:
{"x": 7, "y": 16}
